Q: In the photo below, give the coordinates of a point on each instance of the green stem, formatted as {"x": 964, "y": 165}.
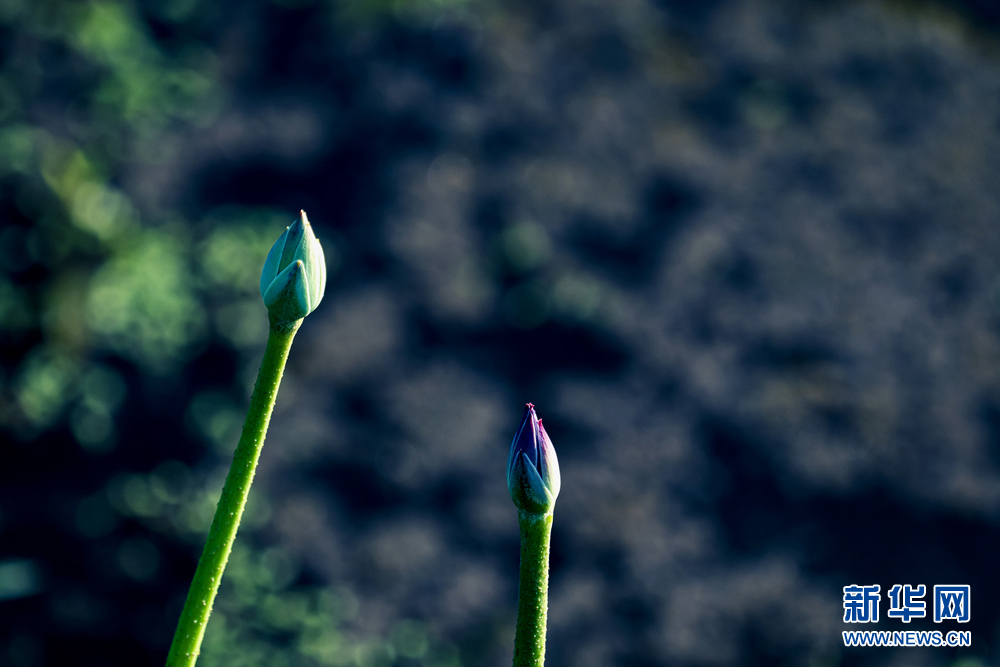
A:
{"x": 533, "y": 589}
{"x": 198, "y": 606}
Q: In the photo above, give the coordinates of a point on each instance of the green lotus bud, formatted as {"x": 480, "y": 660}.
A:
{"x": 533, "y": 478}
{"x": 294, "y": 277}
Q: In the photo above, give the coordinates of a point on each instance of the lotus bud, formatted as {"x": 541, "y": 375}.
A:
{"x": 533, "y": 478}
{"x": 294, "y": 277}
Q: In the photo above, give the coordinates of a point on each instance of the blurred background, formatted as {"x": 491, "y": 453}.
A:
{"x": 744, "y": 256}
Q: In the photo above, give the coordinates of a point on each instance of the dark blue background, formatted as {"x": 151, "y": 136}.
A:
{"x": 741, "y": 255}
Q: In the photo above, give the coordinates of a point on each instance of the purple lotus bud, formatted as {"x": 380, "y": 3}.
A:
{"x": 532, "y": 467}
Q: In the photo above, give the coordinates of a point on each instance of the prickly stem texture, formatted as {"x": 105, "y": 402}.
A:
{"x": 533, "y": 589}
{"x": 198, "y": 606}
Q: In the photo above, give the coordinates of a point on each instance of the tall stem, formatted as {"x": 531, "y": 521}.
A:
{"x": 194, "y": 617}
{"x": 533, "y": 589}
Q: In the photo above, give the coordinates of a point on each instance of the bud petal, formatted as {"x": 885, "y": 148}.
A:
{"x": 287, "y": 298}
{"x": 292, "y": 249}
{"x": 293, "y": 280}
{"x": 548, "y": 463}
{"x": 270, "y": 270}
{"x": 533, "y": 478}
{"x": 529, "y": 492}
